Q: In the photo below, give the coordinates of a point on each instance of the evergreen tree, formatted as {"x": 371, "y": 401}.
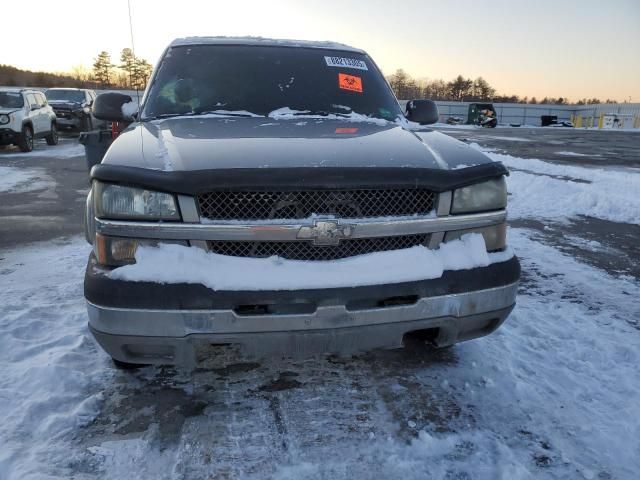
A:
{"x": 141, "y": 73}
{"x": 128, "y": 64}
{"x": 102, "y": 69}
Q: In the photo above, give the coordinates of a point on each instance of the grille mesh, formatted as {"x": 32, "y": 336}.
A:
{"x": 303, "y": 250}
{"x": 256, "y": 205}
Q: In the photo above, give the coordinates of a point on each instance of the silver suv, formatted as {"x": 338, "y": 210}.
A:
{"x": 25, "y": 115}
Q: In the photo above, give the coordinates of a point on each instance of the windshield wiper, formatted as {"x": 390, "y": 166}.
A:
{"x": 222, "y": 113}
{"x": 226, "y": 113}
{"x": 169, "y": 115}
{"x": 321, "y": 113}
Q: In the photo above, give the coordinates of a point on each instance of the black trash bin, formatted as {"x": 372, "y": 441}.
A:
{"x": 95, "y": 144}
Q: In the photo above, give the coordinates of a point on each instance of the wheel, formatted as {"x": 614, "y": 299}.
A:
{"x": 52, "y": 138}
{"x": 25, "y": 143}
{"x": 87, "y": 124}
{"x": 120, "y": 365}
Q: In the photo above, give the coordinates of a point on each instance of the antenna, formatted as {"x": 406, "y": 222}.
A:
{"x": 133, "y": 48}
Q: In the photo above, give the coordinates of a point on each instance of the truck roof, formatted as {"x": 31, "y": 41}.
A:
{"x": 262, "y": 41}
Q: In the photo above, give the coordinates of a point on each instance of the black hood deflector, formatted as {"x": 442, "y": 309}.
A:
{"x": 301, "y": 178}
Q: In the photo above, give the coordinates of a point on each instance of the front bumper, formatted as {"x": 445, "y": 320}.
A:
{"x": 70, "y": 120}
{"x": 143, "y": 322}
{"x": 8, "y": 136}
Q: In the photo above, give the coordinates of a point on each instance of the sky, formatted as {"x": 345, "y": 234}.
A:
{"x": 554, "y": 48}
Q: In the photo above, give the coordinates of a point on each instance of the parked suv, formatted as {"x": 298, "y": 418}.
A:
{"x": 272, "y": 194}
{"x": 25, "y": 116}
{"x": 72, "y": 107}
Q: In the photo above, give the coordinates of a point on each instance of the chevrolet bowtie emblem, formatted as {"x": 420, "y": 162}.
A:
{"x": 325, "y": 232}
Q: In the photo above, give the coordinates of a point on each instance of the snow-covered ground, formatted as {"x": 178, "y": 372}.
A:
{"x": 15, "y": 180}
{"x": 554, "y": 393}
{"x": 540, "y": 189}
{"x": 62, "y": 150}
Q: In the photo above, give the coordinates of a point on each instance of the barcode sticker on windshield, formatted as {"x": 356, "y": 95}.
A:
{"x": 345, "y": 63}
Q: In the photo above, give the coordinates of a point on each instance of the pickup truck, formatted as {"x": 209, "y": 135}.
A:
{"x": 272, "y": 195}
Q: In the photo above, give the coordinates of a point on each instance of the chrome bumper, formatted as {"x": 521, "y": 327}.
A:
{"x": 170, "y": 336}
{"x": 256, "y": 232}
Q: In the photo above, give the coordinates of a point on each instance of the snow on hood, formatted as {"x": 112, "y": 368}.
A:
{"x": 170, "y": 263}
{"x": 287, "y": 113}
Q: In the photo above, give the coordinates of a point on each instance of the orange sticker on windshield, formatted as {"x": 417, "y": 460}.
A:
{"x": 350, "y": 82}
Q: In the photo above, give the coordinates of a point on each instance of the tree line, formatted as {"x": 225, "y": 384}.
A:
{"x": 131, "y": 72}
{"x": 134, "y": 72}
{"x": 461, "y": 89}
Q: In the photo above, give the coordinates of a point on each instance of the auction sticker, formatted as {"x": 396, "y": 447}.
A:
{"x": 350, "y": 82}
{"x": 342, "y": 62}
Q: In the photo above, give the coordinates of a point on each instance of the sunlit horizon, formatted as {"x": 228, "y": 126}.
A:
{"x": 571, "y": 49}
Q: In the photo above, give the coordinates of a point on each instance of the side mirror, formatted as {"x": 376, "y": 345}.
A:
{"x": 108, "y": 106}
{"x": 424, "y": 112}
{"x": 35, "y": 107}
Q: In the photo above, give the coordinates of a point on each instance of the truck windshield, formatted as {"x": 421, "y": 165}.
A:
{"x": 261, "y": 79}
{"x": 66, "y": 95}
{"x": 11, "y": 100}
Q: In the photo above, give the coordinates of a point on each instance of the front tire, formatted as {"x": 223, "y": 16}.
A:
{"x": 25, "y": 142}
{"x": 52, "y": 138}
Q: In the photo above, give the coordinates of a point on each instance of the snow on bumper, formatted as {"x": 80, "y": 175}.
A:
{"x": 145, "y": 321}
{"x": 179, "y": 264}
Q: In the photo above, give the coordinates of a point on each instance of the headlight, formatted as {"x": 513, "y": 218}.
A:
{"x": 4, "y": 119}
{"x": 116, "y": 201}
{"x": 485, "y": 196}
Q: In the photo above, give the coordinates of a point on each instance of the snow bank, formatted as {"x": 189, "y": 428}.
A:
{"x": 20, "y": 180}
{"x": 62, "y": 150}
{"x": 50, "y": 366}
{"x": 179, "y": 264}
{"x": 561, "y": 376}
{"x": 540, "y": 189}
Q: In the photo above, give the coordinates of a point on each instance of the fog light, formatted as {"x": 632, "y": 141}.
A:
{"x": 118, "y": 251}
{"x": 495, "y": 236}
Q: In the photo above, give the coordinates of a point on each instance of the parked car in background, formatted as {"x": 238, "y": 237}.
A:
{"x": 73, "y": 108}
{"x": 25, "y": 115}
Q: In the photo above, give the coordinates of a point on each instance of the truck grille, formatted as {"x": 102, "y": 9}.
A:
{"x": 303, "y": 250}
{"x": 256, "y": 205}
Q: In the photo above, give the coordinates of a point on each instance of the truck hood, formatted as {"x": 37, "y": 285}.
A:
{"x": 215, "y": 143}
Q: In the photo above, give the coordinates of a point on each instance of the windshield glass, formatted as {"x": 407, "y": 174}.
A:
{"x": 66, "y": 95}
{"x": 208, "y": 78}
{"x": 11, "y": 100}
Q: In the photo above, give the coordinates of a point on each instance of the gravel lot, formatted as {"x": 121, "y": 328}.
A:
{"x": 555, "y": 393}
